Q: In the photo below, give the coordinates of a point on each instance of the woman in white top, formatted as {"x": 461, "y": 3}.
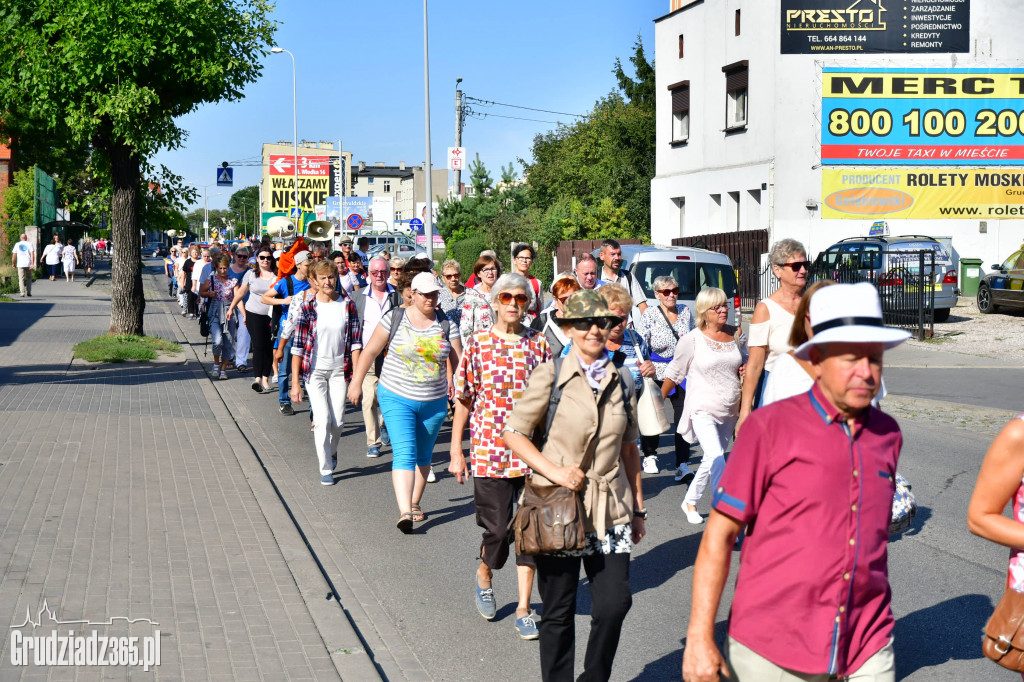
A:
{"x": 51, "y": 256}
{"x": 256, "y": 316}
{"x": 711, "y": 359}
{"x": 792, "y": 376}
{"x": 773, "y": 319}
{"x": 69, "y": 256}
{"x": 326, "y": 345}
{"x": 476, "y": 306}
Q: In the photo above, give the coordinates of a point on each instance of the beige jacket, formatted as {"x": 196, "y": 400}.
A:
{"x": 580, "y": 425}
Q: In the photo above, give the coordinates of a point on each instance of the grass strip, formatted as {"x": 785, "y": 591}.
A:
{"x": 119, "y": 348}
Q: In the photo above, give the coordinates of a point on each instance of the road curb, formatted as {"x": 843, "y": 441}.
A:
{"x": 908, "y": 402}
{"x": 351, "y": 658}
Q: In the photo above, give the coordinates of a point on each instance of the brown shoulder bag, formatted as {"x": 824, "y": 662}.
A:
{"x": 1003, "y": 640}
{"x": 550, "y": 518}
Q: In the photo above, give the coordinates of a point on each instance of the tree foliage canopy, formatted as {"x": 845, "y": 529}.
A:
{"x": 590, "y": 179}
{"x": 113, "y": 77}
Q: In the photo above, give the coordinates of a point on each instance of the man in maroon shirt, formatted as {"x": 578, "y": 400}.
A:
{"x": 813, "y": 478}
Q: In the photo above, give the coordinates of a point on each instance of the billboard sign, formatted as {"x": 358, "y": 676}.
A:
{"x": 339, "y": 209}
{"x": 317, "y": 180}
{"x": 876, "y": 26}
{"x": 923, "y": 117}
{"x": 922, "y": 193}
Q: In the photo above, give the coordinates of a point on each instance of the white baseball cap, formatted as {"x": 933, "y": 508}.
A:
{"x": 425, "y": 283}
{"x": 849, "y": 313}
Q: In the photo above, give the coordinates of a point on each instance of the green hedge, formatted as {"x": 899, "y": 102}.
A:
{"x": 467, "y": 250}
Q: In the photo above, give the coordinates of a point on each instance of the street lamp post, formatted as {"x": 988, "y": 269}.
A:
{"x": 428, "y": 223}
{"x": 295, "y": 121}
{"x": 206, "y": 212}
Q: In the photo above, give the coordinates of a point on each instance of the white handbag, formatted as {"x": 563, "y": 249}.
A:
{"x": 654, "y": 415}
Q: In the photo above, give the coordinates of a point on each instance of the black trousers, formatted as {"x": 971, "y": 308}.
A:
{"x": 493, "y": 498}
{"x": 192, "y": 303}
{"x": 557, "y": 580}
{"x": 650, "y": 443}
{"x": 262, "y": 346}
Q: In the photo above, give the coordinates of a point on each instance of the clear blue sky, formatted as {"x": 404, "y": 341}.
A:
{"x": 360, "y": 79}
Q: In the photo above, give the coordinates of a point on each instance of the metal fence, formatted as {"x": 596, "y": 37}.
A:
{"x": 744, "y": 249}
{"x": 906, "y": 288}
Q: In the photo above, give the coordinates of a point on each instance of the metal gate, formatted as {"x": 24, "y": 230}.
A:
{"x": 744, "y": 249}
{"x": 906, "y": 287}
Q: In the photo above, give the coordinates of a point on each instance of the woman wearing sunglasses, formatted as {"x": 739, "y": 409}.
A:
{"x": 710, "y": 358}
{"x": 664, "y": 325}
{"x": 256, "y": 316}
{"x": 773, "y": 320}
{"x": 491, "y": 378}
{"x": 452, "y": 293}
{"x": 590, "y": 430}
{"x": 548, "y": 321}
{"x": 476, "y": 306}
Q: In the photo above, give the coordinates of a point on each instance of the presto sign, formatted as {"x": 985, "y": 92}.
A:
{"x": 924, "y": 117}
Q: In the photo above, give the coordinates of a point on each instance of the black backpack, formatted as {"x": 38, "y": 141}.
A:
{"x": 278, "y": 311}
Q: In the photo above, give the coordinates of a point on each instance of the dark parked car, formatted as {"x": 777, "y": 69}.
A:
{"x": 1005, "y": 286}
{"x": 891, "y": 263}
{"x": 154, "y": 249}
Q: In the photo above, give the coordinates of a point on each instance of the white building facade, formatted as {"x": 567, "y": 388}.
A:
{"x": 739, "y": 122}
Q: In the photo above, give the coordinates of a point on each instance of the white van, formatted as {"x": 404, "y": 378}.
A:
{"x": 694, "y": 269}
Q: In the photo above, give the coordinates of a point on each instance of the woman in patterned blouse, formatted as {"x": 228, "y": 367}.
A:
{"x": 452, "y": 293}
{"x": 491, "y": 378}
{"x": 476, "y": 306}
{"x": 664, "y": 325}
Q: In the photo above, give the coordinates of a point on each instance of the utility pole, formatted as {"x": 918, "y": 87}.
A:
{"x": 428, "y": 222}
{"x": 457, "y": 174}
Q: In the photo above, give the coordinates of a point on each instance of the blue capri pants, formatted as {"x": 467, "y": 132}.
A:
{"x": 413, "y": 426}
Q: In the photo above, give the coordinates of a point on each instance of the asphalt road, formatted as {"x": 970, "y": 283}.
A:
{"x": 996, "y": 388}
{"x": 945, "y": 581}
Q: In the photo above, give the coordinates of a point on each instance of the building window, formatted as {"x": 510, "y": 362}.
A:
{"x": 398, "y": 216}
{"x": 735, "y": 96}
{"x": 370, "y": 179}
{"x": 680, "y": 45}
{"x": 680, "y": 205}
{"x": 737, "y": 22}
{"x": 370, "y": 194}
{"x": 680, "y": 111}
{"x": 387, "y": 185}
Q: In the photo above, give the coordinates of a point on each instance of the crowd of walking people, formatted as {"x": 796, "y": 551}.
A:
{"x": 550, "y": 384}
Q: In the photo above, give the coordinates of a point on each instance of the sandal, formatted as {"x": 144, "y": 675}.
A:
{"x": 405, "y": 523}
{"x": 417, "y": 513}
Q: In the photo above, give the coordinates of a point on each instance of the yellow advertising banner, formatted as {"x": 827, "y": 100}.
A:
{"x": 955, "y": 193}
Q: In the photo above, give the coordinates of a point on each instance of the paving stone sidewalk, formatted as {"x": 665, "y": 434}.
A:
{"x": 125, "y": 493}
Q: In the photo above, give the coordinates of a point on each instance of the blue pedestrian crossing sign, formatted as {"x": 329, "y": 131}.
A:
{"x": 225, "y": 177}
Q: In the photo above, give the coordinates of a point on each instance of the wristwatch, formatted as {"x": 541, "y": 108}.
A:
{"x": 640, "y": 513}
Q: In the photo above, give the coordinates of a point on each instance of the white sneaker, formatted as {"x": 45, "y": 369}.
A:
{"x": 431, "y": 477}
{"x": 651, "y": 464}
{"x": 223, "y": 375}
{"x": 683, "y": 473}
{"x": 692, "y": 516}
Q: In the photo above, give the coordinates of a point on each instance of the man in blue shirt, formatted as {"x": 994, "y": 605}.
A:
{"x": 281, "y": 295}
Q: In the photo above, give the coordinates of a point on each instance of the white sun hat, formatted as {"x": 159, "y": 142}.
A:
{"x": 849, "y": 313}
{"x": 425, "y": 283}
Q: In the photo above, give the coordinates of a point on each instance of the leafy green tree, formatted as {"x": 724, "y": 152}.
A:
{"x": 113, "y": 77}
{"x": 244, "y": 205}
{"x": 16, "y": 204}
{"x": 479, "y": 178}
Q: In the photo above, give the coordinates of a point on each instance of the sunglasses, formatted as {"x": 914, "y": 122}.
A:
{"x": 604, "y": 323}
{"x": 563, "y": 299}
{"x": 264, "y": 257}
{"x": 396, "y": 269}
{"x": 504, "y": 298}
{"x": 797, "y": 265}
{"x": 449, "y": 275}
{"x": 378, "y": 272}
{"x": 669, "y": 292}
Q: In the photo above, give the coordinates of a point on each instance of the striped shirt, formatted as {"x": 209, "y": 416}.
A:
{"x": 414, "y": 367}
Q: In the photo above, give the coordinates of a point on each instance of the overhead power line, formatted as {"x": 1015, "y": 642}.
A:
{"x": 482, "y": 114}
{"x": 517, "y": 106}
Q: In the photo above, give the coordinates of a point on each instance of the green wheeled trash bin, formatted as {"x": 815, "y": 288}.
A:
{"x": 970, "y": 276}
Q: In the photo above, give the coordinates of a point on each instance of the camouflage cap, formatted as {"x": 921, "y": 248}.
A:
{"x": 585, "y": 303}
